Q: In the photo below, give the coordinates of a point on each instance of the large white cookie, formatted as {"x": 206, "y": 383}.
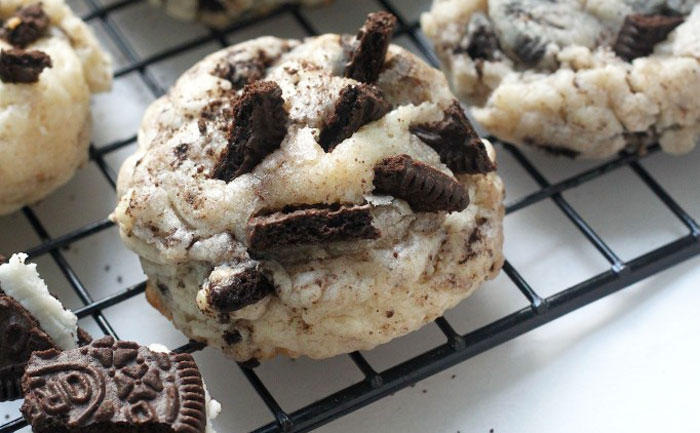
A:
{"x": 190, "y": 228}
{"x": 545, "y": 74}
{"x": 219, "y": 13}
{"x": 45, "y": 126}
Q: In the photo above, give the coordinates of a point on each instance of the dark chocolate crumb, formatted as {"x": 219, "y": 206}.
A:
{"x": 640, "y": 33}
{"x": 373, "y": 39}
{"x": 250, "y": 364}
{"x": 84, "y": 337}
{"x": 530, "y": 50}
{"x": 258, "y": 128}
{"x": 357, "y": 106}
{"x": 483, "y": 44}
{"x": 211, "y": 6}
{"x": 241, "y": 73}
{"x": 22, "y": 66}
{"x": 425, "y": 188}
{"x": 308, "y": 225}
{"x": 245, "y": 288}
{"x": 25, "y": 26}
{"x": 233, "y": 337}
{"x": 389, "y": 314}
{"x": 456, "y": 141}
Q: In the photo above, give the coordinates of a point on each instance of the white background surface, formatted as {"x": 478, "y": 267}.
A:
{"x": 628, "y": 363}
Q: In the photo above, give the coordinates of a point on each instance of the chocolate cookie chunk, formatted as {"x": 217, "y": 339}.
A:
{"x": 357, "y": 106}
{"x": 259, "y": 126}
{"x": 423, "y": 187}
{"x": 639, "y": 34}
{"x": 20, "y": 335}
{"x": 373, "y": 40}
{"x": 113, "y": 386}
{"x": 26, "y": 26}
{"x": 310, "y": 225}
{"x": 22, "y": 66}
{"x": 245, "y": 288}
{"x": 455, "y": 140}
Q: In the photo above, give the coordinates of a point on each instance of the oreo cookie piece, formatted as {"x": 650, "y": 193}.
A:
{"x": 373, "y": 39}
{"x": 231, "y": 288}
{"x": 308, "y": 225}
{"x": 26, "y": 26}
{"x": 113, "y": 386}
{"x": 456, "y": 141}
{"x": 640, "y": 33}
{"x": 20, "y": 336}
{"x": 357, "y": 106}
{"x": 22, "y": 66}
{"x": 423, "y": 187}
{"x": 259, "y": 126}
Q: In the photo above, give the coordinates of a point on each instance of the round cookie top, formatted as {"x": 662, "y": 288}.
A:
{"x": 319, "y": 171}
{"x": 273, "y": 123}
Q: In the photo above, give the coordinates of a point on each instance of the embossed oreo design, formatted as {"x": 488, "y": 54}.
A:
{"x": 425, "y": 188}
{"x": 20, "y": 335}
{"x": 109, "y": 384}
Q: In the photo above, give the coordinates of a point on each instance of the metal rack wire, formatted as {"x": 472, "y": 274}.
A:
{"x": 457, "y": 347}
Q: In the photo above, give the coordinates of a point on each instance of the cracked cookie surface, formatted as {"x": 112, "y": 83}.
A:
{"x": 576, "y": 78}
{"x": 302, "y": 254}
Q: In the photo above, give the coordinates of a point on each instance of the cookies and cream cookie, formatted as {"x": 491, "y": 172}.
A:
{"x": 50, "y": 63}
{"x": 219, "y": 13}
{"x": 310, "y": 197}
{"x": 573, "y": 77}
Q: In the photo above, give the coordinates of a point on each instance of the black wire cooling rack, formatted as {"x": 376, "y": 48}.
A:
{"x": 458, "y": 347}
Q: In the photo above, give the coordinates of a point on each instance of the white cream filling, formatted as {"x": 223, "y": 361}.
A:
{"x": 22, "y": 282}
{"x": 213, "y": 407}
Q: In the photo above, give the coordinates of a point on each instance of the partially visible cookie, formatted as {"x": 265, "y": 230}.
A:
{"x": 575, "y": 78}
{"x": 115, "y": 386}
{"x": 50, "y": 64}
{"x": 30, "y": 320}
{"x": 310, "y": 198}
{"x": 219, "y": 13}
